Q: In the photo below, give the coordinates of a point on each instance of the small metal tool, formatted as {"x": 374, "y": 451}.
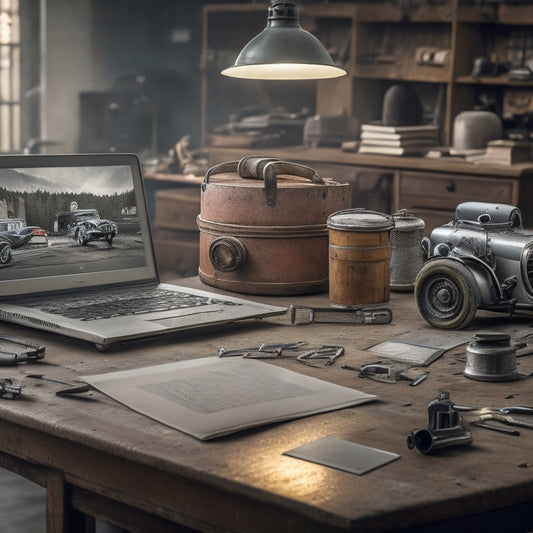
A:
{"x": 384, "y": 373}
{"x": 9, "y": 389}
{"x": 14, "y": 351}
{"x": 71, "y": 389}
{"x": 506, "y": 431}
{"x": 505, "y": 419}
{"x": 419, "y": 379}
{"x": 336, "y": 315}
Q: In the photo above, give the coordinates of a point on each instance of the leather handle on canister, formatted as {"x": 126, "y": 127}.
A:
{"x": 221, "y": 168}
{"x": 247, "y": 167}
{"x": 267, "y": 169}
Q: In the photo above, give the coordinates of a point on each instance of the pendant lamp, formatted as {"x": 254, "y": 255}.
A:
{"x": 284, "y": 51}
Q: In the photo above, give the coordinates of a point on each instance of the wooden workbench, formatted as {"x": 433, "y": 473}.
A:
{"x": 100, "y": 459}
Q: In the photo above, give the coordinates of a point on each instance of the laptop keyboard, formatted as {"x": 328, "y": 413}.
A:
{"x": 115, "y": 303}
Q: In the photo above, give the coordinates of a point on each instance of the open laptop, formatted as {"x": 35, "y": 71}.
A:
{"x": 97, "y": 257}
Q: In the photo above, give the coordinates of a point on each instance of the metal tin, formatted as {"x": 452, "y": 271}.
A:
{"x": 359, "y": 257}
{"x": 407, "y": 257}
{"x": 491, "y": 357}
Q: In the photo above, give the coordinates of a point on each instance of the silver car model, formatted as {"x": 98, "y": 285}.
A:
{"x": 483, "y": 259}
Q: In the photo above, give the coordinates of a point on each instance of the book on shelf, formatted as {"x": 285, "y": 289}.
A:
{"x": 420, "y": 130}
{"x": 393, "y": 150}
{"x": 400, "y": 142}
{"x": 507, "y": 152}
{"x": 376, "y": 135}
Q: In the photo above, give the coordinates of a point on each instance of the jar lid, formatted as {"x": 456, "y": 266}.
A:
{"x": 358, "y": 219}
{"x": 403, "y": 221}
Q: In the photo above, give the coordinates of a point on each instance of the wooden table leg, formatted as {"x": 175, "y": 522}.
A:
{"x": 61, "y": 517}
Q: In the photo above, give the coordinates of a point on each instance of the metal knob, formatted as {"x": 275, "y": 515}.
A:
{"x": 227, "y": 253}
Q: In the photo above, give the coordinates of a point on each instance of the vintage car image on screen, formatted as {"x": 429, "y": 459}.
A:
{"x": 9, "y": 241}
{"x": 85, "y": 225}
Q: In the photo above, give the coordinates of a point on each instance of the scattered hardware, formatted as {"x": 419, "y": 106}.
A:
{"x": 491, "y": 357}
{"x": 422, "y": 377}
{"x": 444, "y": 427}
{"x": 14, "y": 351}
{"x": 382, "y": 372}
{"x": 9, "y": 389}
{"x": 507, "y": 431}
{"x": 264, "y": 351}
{"x": 335, "y": 315}
{"x": 331, "y": 353}
{"x": 505, "y": 418}
{"x": 273, "y": 351}
{"x": 389, "y": 373}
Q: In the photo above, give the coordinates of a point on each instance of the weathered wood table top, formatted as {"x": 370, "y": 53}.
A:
{"x": 244, "y": 482}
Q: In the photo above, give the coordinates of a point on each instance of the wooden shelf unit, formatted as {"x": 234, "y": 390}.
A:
{"x": 377, "y": 43}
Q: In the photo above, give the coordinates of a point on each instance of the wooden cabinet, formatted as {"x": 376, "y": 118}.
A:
{"x": 174, "y": 203}
{"x": 434, "y": 196}
{"x": 176, "y": 239}
{"x": 428, "y": 44}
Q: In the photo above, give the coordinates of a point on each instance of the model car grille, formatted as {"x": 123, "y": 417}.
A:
{"x": 528, "y": 268}
{"x": 107, "y": 228}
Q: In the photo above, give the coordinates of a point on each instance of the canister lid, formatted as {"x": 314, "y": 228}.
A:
{"x": 405, "y": 221}
{"x": 359, "y": 219}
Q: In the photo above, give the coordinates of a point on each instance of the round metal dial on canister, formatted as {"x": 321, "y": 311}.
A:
{"x": 491, "y": 356}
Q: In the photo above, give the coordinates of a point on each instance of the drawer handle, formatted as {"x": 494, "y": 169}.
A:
{"x": 451, "y": 186}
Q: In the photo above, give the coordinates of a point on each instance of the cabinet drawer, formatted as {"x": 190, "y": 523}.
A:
{"x": 177, "y": 208}
{"x": 370, "y": 187}
{"x": 177, "y": 252}
{"x": 445, "y": 191}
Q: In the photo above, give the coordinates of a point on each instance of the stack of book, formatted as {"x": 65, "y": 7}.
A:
{"x": 506, "y": 152}
{"x": 397, "y": 140}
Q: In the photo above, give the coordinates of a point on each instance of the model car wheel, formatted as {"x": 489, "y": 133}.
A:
{"x": 5, "y": 253}
{"x": 81, "y": 236}
{"x": 446, "y": 294}
{"x": 109, "y": 238}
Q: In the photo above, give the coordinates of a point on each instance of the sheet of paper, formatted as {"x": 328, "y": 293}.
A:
{"x": 343, "y": 455}
{"x": 421, "y": 347}
{"x": 211, "y": 397}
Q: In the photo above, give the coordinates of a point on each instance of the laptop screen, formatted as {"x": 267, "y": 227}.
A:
{"x": 72, "y": 221}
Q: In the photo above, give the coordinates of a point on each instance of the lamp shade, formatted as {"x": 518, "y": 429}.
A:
{"x": 284, "y": 51}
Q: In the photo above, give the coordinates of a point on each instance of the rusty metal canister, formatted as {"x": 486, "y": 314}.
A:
{"x": 263, "y": 227}
{"x": 359, "y": 257}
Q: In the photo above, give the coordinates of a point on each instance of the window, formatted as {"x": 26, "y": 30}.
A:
{"x": 9, "y": 76}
